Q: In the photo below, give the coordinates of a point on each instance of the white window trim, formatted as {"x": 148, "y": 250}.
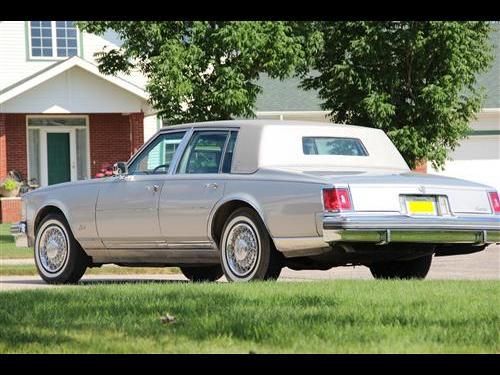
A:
{"x": 43, "y": 145}
{"x": 54, "y": 44}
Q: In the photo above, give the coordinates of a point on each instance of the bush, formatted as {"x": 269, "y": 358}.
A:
{"x": 9, "y": 184}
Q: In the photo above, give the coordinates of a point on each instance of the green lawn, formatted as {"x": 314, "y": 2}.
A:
{"x": 8, "y": 248}
{"x": 344, "y": 316}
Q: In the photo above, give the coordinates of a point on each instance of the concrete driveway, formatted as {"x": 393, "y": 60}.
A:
{"x": 480, "y": 266}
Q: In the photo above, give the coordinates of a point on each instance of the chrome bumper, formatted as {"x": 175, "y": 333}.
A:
{"x": 19, "y": 231}
{"x": 400, "y": 228}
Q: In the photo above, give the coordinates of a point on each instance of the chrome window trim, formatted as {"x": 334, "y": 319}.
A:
{"x": 223, "y": 156}
{"x": 180, "y": 151}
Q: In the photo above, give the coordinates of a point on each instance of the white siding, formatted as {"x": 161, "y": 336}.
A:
{"x": 150, "y": 127}
{"x": 93, "y": 43}
{"x": 14, "y": 64}
{"x": 74, "y": 91}
{"x": 478, "y": 156}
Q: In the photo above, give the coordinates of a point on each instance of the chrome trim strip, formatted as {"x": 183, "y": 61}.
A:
{"x": 383, "y": 237}
{"x": 402, "y": 228}
{"x": 119, "y": 244}
{"x": 180, "y": 151}
{"x": 411, "y": 222}
{"x": 156, "y": 256}
{"x": 192, "y": 245}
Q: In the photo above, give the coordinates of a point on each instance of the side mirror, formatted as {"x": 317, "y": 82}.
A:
{"x": 120, "y": 168}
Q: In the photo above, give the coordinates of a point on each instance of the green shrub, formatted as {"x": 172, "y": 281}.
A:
{"x": 9, "y": 184}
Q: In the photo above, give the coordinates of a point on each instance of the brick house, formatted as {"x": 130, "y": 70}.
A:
{"x": 60, "y": 118}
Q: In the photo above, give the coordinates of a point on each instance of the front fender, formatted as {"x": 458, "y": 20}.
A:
{"x": 77, "y": 203}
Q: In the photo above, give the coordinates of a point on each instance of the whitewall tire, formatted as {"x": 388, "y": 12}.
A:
{"x": 247, "y": 251}
{"x": 59, "y": 258}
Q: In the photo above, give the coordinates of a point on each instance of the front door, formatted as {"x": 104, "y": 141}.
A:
{"x": 57, "y": 149}
{"x": 127, "y": 212}
{"x": 127, "y": 208}
{"x": 58, "y": 158}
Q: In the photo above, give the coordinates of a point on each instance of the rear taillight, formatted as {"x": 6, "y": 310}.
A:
{"x": 337, "y": 199}
{"x": 494, "y": 201}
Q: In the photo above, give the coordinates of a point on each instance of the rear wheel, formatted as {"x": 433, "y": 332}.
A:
{"x": 407, "y": 269}
{"x": 247, "y": 251}
{"x": 59, "y": 258}
{"x": 201, "y": 273}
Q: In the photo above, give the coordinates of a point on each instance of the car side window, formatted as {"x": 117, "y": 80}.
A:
{"x": 156, "y": 158}
{"x": 204, "y": 152}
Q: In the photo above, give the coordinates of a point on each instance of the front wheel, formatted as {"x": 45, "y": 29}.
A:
{"x": 405, "y": 269}
{"x": 201, "y": 274}
{"x": 59, "y": 258}
{"x": 247, "y": 250}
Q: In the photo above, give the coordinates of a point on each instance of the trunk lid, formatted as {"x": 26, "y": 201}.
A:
{"x": 380, "y": 190}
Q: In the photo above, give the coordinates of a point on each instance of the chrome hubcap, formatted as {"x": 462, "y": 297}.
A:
{"x": 53, "y": 248}
{"x": 242, "y": 249}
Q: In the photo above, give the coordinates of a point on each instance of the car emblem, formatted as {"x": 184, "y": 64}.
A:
{"x": 421, "y": 189}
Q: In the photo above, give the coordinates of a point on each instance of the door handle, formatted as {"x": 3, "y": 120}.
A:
{"x": 153, "y": 188}
{"x": 212, "y": 185}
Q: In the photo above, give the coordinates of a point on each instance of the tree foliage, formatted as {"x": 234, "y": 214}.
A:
{"x": 200, "y": 71}
{"x": 414, "y": 80}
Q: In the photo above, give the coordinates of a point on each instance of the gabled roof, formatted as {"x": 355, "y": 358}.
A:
{"x": 60, "y": 67}
{"x": 285, "y": 95}
{"x": 282, "y": 96}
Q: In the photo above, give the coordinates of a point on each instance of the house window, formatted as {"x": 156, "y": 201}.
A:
{"x": 66, "y": 39}
{"x": 41, "y": 39}
{"x": 53, "y": 39}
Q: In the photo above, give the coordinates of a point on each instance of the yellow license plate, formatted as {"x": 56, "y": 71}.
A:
{"x": 421, "y": 207}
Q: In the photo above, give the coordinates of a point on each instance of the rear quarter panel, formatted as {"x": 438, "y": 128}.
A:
{"x": 287, "y": 207}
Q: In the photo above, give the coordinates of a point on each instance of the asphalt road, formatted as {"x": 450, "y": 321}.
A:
{"x": 480, "y": 266}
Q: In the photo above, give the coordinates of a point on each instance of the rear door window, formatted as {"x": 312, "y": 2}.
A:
{"x": 204, "y": 152}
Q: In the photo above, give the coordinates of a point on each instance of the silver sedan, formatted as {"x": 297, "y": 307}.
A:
{"x": 247, "y": 198}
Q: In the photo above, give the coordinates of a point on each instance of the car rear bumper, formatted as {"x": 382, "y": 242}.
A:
{"x": 19, "y": 231}
{"x": 400, "y": 228}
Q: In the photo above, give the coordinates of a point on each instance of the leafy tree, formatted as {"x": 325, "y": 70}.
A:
{"x": 201, "y": 71}
{"x": 414, "y": 80}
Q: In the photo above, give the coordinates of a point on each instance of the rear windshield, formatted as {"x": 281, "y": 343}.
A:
{"x": 333, "y": 146}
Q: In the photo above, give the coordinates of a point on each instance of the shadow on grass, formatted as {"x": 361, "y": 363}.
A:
{"x": 130, "y": 281}
{"x": 6, "y": 239}
{"x": 121, "y": 281}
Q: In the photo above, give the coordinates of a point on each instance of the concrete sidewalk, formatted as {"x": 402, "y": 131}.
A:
{"x": 17, "y": 262}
